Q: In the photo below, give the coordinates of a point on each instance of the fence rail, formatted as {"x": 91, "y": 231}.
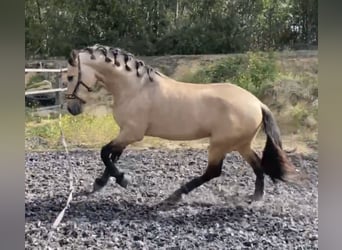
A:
{"x": 46, "y": 70}
{"x": 43, "y": 91}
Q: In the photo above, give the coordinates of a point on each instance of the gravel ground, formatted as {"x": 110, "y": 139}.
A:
{"x": 214, "y": 216}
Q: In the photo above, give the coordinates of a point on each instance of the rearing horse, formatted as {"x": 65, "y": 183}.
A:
{"x": 146, "y": 102}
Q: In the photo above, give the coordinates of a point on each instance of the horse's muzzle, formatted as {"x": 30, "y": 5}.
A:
{"x": 75, "y": 107}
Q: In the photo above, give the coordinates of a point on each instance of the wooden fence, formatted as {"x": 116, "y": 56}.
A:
{"x": 60, "y": 88}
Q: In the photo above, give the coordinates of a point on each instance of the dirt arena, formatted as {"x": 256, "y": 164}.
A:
{"x": 214, "y": 216}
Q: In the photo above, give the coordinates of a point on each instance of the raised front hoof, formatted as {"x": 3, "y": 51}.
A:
{"x": 98, "y": 185}
{"x": 124, "y": 180}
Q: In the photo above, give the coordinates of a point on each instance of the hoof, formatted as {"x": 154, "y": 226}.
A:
{"x": 255, "y": 197}
{"x": 85, "y": 193}
{"x": 173, "y": 199}
{"x": 98, "y": 185}
{"x": 124, "y": 181}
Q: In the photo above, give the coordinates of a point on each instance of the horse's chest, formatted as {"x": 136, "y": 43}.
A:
{"x": 130, "y": 115}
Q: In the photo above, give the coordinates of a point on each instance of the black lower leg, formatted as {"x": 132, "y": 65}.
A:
{"x": 259, "y": 184}
{"x": 109, "y": 155}
{"x": 259, "y": 173}
{"x": 116, "y": 155}
{"x": 119, "y": 176}
{"x": 102, "y": 181}
{"x": 211, "y": 172}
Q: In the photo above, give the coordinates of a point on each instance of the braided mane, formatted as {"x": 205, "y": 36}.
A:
{"x": 111, "y": 56}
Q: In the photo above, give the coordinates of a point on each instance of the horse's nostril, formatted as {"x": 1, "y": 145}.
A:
{"x": 74, "y": 108}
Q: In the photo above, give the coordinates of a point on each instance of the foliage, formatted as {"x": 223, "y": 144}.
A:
{"x": 44, "y": 84}
{"x": 299, "y": 113}
{"x": 157, "y": 27}
{"x": 252, "y": 71}
{"x": 36, "y": 78}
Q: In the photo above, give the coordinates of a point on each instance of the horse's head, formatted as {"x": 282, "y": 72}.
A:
{"x": 118, "y": 71}
{"x": 80, "y": 81}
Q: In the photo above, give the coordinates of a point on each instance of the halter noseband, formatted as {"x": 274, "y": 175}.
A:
{"x": 79, "y": 82}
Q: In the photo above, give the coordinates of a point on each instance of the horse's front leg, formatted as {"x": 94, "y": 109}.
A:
{"x": 110, "y": 153}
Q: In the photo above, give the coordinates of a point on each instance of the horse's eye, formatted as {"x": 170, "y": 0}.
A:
{"x": 70, "y": 78}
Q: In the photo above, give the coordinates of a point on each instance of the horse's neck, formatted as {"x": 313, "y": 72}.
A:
{"x": 123, "y": 90}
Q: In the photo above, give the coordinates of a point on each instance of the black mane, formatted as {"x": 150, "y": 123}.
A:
{"x": 111, "y": 54}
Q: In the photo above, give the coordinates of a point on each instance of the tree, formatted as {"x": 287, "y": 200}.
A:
{"x": 151, "y": 27}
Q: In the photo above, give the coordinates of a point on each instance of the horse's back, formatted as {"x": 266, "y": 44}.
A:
{"x": 190, "y": 111}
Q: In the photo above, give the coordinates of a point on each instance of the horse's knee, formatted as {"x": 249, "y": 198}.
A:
{"x": 105, "y": 152}
{"x": 109, "y": 149}
{"x": 110, "y": 153}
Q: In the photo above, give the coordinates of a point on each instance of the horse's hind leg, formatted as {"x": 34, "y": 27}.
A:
{"x": 255, "y": 162}
{"x": 214, "y": 169}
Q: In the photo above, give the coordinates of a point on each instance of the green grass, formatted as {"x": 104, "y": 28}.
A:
{"x": 84, "y": 130}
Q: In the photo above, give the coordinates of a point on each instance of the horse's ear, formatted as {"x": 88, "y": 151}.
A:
{"x": 72, "y": 57}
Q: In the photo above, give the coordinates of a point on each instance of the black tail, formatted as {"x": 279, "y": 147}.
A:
{"x": 274, "y": 160}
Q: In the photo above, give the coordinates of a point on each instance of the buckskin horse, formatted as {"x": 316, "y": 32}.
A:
{"x": 147, "y": 102}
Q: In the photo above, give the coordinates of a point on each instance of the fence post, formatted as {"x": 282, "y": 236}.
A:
{"x": 60, "y": 85}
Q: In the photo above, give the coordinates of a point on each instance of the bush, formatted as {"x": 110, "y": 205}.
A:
{"x": 299, "y": 114}
{"x": 34, "y": 79}
{"x": 254, "y": 71}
